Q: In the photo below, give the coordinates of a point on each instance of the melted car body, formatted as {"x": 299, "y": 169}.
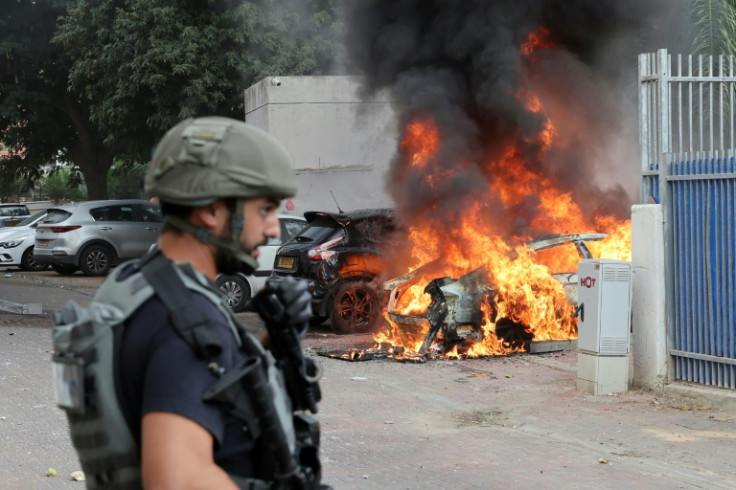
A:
{"x": 455, "y": 314}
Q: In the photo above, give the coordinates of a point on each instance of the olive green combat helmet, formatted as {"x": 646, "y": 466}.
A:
{"x": 201, "y": 160}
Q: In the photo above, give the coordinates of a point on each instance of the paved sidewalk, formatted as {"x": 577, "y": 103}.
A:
{"x": 507, "y": 422}
{"x": 514, "y": 422}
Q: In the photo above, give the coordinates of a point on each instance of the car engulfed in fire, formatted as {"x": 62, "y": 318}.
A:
{"x": 457, "y": 311}
{"x": 346, "y": 288}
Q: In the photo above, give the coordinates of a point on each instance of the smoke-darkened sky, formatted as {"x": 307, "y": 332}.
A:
{"x": 460, "y": 62}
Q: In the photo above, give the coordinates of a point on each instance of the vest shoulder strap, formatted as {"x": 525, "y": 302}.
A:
{"x": 191, "y": 323}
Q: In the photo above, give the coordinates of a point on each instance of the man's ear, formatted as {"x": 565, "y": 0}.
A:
{"x": 208, "y": 216}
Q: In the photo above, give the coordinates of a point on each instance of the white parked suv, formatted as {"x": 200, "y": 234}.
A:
{"x": 93, "y": 236}
{"x": 240, "y": 287}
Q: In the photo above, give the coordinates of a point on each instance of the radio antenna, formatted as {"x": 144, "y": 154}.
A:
{"x": 336, "y": 203}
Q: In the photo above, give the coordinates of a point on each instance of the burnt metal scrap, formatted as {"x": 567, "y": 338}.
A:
{"x": 578, "y": 239}
{"x": 454, "y": 315}
{"x": 436, "y": 313}
{"x": 376, "y": 354}
{"x": 355, "y": 355}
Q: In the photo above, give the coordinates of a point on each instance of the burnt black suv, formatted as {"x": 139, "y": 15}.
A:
{"x": 340, "y": 255}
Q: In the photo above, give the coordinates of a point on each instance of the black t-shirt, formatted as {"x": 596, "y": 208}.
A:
{"x": 160, "y": 372}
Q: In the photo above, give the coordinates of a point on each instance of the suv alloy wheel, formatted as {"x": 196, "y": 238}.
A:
{"x": 96, "y": 260}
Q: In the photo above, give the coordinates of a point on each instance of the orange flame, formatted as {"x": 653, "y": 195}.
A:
{"x": 536, "y": 39}
{"x": 526, "y": 294}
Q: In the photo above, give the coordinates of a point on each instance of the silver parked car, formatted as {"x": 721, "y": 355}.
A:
{"x": 96, "y": 235}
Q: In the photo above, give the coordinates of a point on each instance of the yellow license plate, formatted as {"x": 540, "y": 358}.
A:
{"x": 285, "y": 262}
{"x": 42, "y": 243}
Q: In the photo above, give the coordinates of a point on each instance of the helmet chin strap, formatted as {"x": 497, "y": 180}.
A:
{"x": 249, "y": 263}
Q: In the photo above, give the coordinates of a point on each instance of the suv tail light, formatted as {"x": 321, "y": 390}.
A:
{"x": 61, "y": 229}
{"x": 317, "y": 252}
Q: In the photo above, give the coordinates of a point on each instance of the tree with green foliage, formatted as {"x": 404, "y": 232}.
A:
{"x": 125, "y": 180}
{"x": 40, "y": 120}
{"x": 64, "y": 184}
{"x": 706, "y": 27}
{"x": 118, "y": 73}
{"x": 714, "y": 26}
{"x": 143, "y": 65}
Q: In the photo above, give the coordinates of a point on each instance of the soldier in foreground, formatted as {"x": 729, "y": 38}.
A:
{"x": 163, "y": 387}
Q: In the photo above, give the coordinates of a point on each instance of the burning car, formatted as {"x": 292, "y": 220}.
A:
{"x": 345, "y": 288}
{"x": 464, "y": 313}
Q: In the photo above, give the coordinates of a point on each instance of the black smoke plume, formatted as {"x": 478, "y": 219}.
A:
{"x": 460, "y": 62}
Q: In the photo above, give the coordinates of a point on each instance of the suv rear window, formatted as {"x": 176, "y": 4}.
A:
{"x": 55, "y": 216}
{"x": 31, "y": 219}
{"x": 319, "y": 231}
{"x": 292, "y": 227}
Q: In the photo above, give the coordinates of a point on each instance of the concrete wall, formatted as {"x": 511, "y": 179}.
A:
{"x": 648, "y": 323}
{"x": 340, "y": 141}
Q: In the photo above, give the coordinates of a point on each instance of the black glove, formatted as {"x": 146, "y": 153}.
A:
{"x": 285, "y": 301}
{"x": 285, "y": 306}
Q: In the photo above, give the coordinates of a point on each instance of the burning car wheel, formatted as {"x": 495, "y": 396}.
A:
{"x": 356, "y": 308}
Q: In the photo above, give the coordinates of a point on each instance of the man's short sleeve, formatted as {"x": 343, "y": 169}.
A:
{"x": 161, "y": 373}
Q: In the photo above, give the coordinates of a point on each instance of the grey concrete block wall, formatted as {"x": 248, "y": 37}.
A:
{"x": 649, "y": 331}
{"x": 340, "y": 140}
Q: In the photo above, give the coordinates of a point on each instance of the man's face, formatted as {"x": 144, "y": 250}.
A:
{"x": 261, "y": 223}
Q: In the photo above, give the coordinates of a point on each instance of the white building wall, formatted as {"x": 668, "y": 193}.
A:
{"x": 342, "y": 142}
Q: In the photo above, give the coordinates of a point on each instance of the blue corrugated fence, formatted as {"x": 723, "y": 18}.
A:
{"x": 702, "y": 197}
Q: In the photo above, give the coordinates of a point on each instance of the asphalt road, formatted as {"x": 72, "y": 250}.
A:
{"x": 506, "y": 422}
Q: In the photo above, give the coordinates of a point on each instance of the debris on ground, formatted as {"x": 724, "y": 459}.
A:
{"x": 77, "y": 475}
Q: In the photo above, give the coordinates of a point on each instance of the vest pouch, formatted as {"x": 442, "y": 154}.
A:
{"x": 84, "y": 352}
{"x": 68, "y": 375}
{"x": 250, "y": 397}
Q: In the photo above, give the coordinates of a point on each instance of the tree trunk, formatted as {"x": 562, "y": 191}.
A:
{"x": 90, "y": 154}
{"x": 95, "y": 175}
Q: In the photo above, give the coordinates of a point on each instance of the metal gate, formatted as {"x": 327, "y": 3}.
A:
{"x": 687, "y": 136}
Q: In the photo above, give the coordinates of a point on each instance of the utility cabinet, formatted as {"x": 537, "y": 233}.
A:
{"x": 604, "y": 323}
{"x": 604, "y": 299}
